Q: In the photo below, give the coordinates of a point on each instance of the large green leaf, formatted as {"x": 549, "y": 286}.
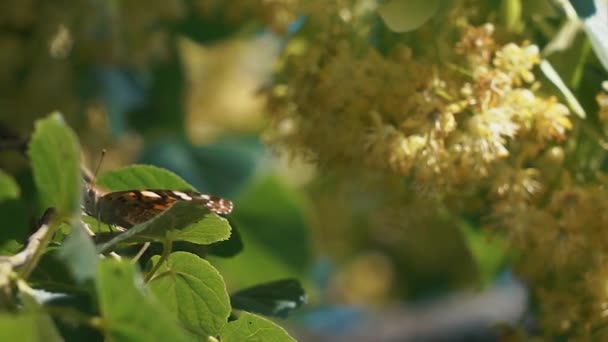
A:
{"x": 28, "y": 327}
{"x": 142, "y": 177}
{"x": 55, "y": 157}
{"x": 128, "y": 314}
{"x": 252, "y": 328}
{"x": 32, "y": 323}
{"x": 407, "y": 15}
{"x": 194, "y": 290}
{"x": 184, "y": 221}
{"x": 8, "y": 187}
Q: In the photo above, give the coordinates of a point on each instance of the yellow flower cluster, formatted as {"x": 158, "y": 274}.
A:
{"x": 565, "y": 246}
{"x": 351, "y": 106}
{"x": 475, "y": 132}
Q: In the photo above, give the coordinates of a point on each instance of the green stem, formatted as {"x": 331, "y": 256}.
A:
{"x": 167, "y": 247}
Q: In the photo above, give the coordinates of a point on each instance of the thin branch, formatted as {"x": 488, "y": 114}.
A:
{"x": 28, "y": 258}
{"x": 141, "y": 252}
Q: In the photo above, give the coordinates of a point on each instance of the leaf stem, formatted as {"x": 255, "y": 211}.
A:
{"x": 141, "y": 252}
{"x": 167, "y": 247}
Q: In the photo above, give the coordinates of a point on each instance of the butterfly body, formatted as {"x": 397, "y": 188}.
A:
{"x": 130, "y": 207}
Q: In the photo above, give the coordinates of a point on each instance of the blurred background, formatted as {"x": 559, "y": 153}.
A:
{"x": 204, "y": 87}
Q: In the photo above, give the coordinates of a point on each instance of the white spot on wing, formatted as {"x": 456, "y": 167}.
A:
{"x": 182, "y": 195}
{"x": 150, "y": 194}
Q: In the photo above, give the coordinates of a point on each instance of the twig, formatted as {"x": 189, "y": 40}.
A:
{"x": 28, "y": 258}
{"x": 141, "y": 252}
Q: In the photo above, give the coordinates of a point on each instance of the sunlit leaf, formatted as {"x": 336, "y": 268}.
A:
{"x": 128, "y": 314}
{"x": 142, "y": 177}
{"x": 183, "y": 221}
{"x": 55, "y": 157}
{"x": 252, "y": 328}
{"x": 194, "y": 291}
{"x": 27, "y": 327}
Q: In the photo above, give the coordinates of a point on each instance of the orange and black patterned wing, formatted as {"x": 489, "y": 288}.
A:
{"x": 128, "y": 208}
{"x": 131, "y": 207}
{"x": 215, "y": 204}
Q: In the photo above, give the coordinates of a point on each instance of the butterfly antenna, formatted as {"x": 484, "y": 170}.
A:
{"x": 103, "y": 154}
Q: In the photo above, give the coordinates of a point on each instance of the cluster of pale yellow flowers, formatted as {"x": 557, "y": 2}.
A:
{"x": 477, "y": 132}
{"x": 449, "y": 126}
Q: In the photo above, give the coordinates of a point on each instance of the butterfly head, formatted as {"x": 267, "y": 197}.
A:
{"x": 90, "y": 198}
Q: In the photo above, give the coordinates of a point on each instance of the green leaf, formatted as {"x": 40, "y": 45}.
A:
{"x": 142, "y": 177}
{"x": 32, "y": 323}
{"x": 55, "y": 157}
{"x": 407, "y": 15}
{"x": 275, "y": 298}
{"x": 489, "y": 252}
{"x": 79, "y": 255}
{"x": 252, "y": 328}
{"x": 184, "y": 221}
{"x": 28, "y": 327}
{"x": 194, "y": 291}
{"x": 8, "y": 187}
{"x": 128, "y": 314}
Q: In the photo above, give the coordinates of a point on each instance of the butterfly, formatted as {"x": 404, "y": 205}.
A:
{"x": 130, "y": 207}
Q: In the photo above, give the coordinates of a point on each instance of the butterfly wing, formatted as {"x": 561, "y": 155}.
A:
{"x": 131, "y": 207}
{"x": 128, "y": 208}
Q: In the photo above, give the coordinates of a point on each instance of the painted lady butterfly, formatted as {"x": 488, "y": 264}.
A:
{"x": 131, "y": 207}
